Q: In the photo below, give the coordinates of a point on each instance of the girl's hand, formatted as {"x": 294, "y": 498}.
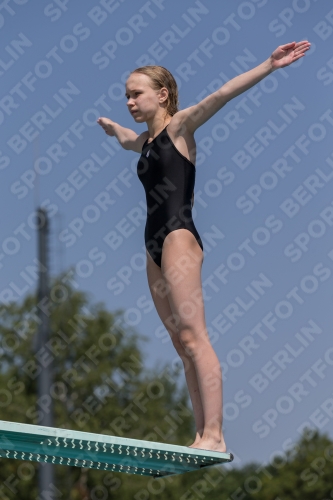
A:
{"x": 289, "y": 53}
{"x": 107, "y": 125}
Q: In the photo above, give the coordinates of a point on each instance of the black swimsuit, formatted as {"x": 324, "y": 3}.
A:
{"x": 168, "y": 179}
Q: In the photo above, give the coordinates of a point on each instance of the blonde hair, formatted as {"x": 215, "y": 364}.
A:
{"x": 161, "y": 77}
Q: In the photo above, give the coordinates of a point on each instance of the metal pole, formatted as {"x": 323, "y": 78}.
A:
{"x": 45, "y": 377}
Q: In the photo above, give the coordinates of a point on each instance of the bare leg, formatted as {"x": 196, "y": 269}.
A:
{"x": 181, "y": 268}
{"x": 158, "y": 289}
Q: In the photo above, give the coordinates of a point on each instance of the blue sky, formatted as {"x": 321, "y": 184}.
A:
{"x": 263, "y": 201}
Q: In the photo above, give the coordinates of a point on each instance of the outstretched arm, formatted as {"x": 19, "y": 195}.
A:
{"x": 127, "y": 138}
{"x": 196, "y": 115}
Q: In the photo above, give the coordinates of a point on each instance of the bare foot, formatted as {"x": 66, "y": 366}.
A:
{"x": 209, "y": 444}
{"x": 196, "y": 440}
{"x": 194, "y": 444}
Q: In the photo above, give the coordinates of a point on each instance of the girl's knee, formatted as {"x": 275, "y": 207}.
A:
{"x": 188, "y": 337}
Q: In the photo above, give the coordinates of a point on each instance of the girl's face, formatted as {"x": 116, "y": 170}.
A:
{"x": 143, "y": 101}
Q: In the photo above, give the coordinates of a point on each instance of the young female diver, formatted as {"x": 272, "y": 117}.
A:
{"x": 174, "y": 249}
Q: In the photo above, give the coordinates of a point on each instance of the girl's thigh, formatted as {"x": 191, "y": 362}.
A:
{"x": 159, "y": 292}
{"x": 181, "y": 268}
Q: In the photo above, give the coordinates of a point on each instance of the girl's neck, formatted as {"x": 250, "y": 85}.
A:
{"x": 157, "y": 124}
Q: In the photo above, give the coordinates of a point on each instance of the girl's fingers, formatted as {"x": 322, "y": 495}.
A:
{"x": 301, "y": 49}
{"x": 298, "y": 57}
{"x": 303, "y": 45}
{"x": 289, "y": 45}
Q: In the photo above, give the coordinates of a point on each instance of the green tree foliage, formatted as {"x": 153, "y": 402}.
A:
{"x": 303, "y": 473}
{"x": 101, "y": 385}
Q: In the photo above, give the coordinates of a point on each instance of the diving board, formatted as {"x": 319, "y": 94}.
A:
{"x": 101, "y": 451}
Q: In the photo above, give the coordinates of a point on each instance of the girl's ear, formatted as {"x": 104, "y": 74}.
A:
{"x": 164, "y": 94}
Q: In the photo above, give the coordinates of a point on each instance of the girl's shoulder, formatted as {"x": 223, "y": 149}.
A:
{"x": 177, "y": 126}
{"x": 182, "y": 137}
{"x": 142, "y": 138}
